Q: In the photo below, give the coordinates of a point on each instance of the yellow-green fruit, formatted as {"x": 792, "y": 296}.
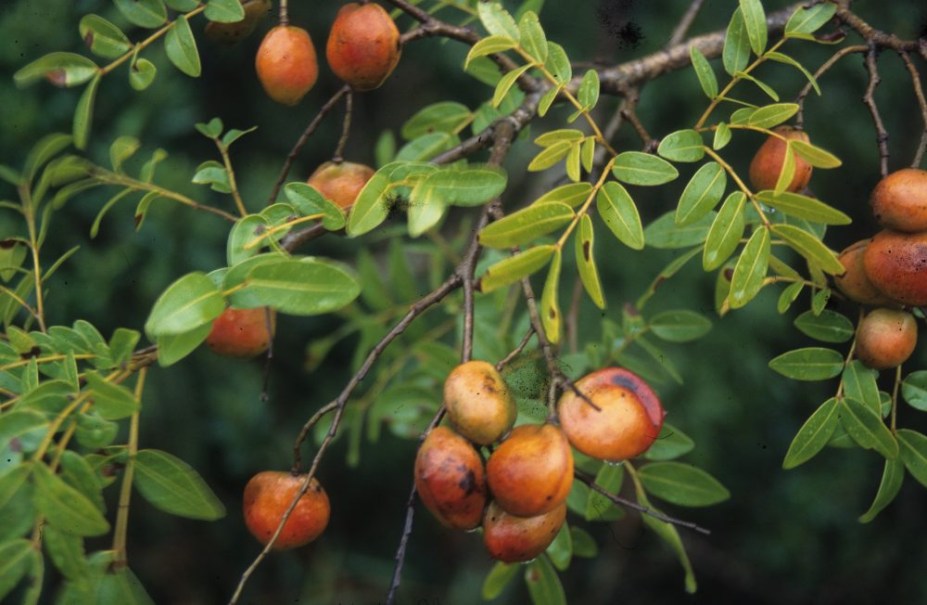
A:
{"x": 478, "y": 402}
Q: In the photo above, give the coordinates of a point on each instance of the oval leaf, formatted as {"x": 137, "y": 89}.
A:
{"x": 620, "y": 214}
{"x": 680, "y": 325}
{"x": 813, "y": 435}
{"x": 682, "y": 484}
{"x": 180, "y": 46}
{"x": 170, "y": 484}
{"x": 725, "y": 233}
{"x": 526, "y": 225}
{"x": 750, "y": 270}
{"x": 636, "y": 168}
{"x": 512, "y": 269}
{"x": 585, "y": 261}
{"x": 829, "y": 326}
{"x": 702, "y": 194}
{"x": 812, "y": 363}
{"x": 188, "y": 303}
{"x": 682, "y": 146}
{"x": 892, "y": 478}
{"x": 305, "y": 286}
{"x": 914, "y": 453}
{"x": 65, "y": 507}
{"x": 802, "y": 206}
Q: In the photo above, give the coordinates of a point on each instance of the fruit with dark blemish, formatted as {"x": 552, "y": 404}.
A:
{"x": 611, "y": 415}
{"x": 478, "y": 402}
{"x": 531, "y": 472}
{"x": 896, "y": 264}
{"x": 450, "y": 479}
{"x": 267, "y": 497}
{"x": 512, "y": 539}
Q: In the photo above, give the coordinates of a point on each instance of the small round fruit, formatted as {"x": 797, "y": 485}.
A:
{"x": 886, "y": 338}
{"x": 286, "y": 64}
{"x": 767, "y": 163}
{"x": 242, "y": 332}
{"x": 450, "y": 479}
{"x": 340, "y": 182}
{"x": 899, "y": 201}
{"x": 531, "y": 472}
{"x": 854, "y": 282}
{"x": 268, "y": 495}
{"x": 896, "y": 264}
{"x": 513, "y": 539}
{"x": 627, "y": 422}
{"x": 478, "y": 402}
{"x": 363, "y": 45}
{"x": 232, "y": 33}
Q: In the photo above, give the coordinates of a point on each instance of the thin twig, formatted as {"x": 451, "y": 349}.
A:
{"x": 517, "y": 350}
{"x": 338, "y": 157}
{"x": 682, "y": 28}
{"x": 921, "y": 102}
{"x": 869, "y": 100}
{"x": 806, "y": 89}
{"x": 590, "y": 481}
{"x": 303, "y": 139}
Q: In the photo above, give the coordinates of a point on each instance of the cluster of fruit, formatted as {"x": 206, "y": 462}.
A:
{"x": 363, "y": 48}
{"x": 889, "y": 271}
{"x": 519, "y": 494}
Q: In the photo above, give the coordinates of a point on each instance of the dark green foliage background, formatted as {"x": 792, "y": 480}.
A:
{"x": 783, "y": 537}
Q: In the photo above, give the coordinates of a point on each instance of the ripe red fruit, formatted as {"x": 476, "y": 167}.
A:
{"x": 899, "y": 201}
{"x": 340, "y": 182}
{"x": 450, "y": 479}
{"x": 767, "y": 163}
{"x": 531, "y": 472}
{"x": 478, "y": 402}
{"x": 242, "y": 332}
{"x": 513, "y": 539}
{"x": 286, "y": 64}
{"x": 896, "y": 264}
{"x": 363, "y": 45}
{"x": 886, "y": 338}
{"x": 268, "y": 495}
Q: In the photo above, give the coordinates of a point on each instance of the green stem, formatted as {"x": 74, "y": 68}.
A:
{"x": 120, "y": 557}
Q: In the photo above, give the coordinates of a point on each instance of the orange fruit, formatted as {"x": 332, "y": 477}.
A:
{"x": 478, "y": 402}
{"x": 268, "y": 495}
{"x": 242, "y": 332}
{"x": 896, "y": 264}
{"x": 886, "y": 338}
{"x": 286, "y": 64}
{"x": 899, "y": 201}
{"x": 769, "y": 158}
{"x": 363, "y": 45}
{"x": 854, "y": 282}
{"x": 512, "y": 539}
{"x": 450, "y": 479}
{"x": 340, "y": 182}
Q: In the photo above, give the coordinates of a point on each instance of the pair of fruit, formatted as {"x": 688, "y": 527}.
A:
{"x": 890, "y": 270}
{"x": 612, "y": 415}
{"x": 363, "y": 48}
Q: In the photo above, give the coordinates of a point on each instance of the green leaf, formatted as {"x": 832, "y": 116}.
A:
{"x": 505, "y": 84}
{"x": 224, "y": 11}
{"x": 549, "y": 304}
{"x": 514, "y": 268}
{"x": 498, "y": 578}
{"x": 306, "y": 286}
{"x": 813, "y": 435}
{"x": 549, "y": 156}
{"x": 817, "y": 157}
{"x": 636, "y": 168}
{"x": 787, "y": 60}
{"x": 588, "y": 93}
{"x": 18, "y": 422}
{"x": 370, "y": 208}
{"x": 489, "y": 46}
{"x": 914, "y": 453}
{"x": 180, "y": 46}
{"x": 142, "y": 73}
{"x": 560, "y": 551}
{"x": 60, "y": 68}
{"x": 171, "y": 485}
{"x": 242, "y": 238}
{"x": 772, "y": 115}
{"x": 16, "y": 502}
{"x": 585, "y": 261}
{"x": 309, "y": 201}
{"x": 669, "y": 534}
{"x": 829, "y": 326}
{"x": 446, "y": 116}
{"x": 174, "y": 347}
{"x": 766, "y": 88}
{"x": 471, "y": 186}
{"x": 83, "y": 113}
{"x": 664, "y": 233}
{"x": 806, "y": 21}
{"x": 802, "y": 206}
{"x": 736, "y": 53}
{"x": 679, "y": 325}
{"x": 702, "y": 193}
{"x": 722, "y": 136}
{"x": 188, "y": 303}
{"x": 50, "y": 396}
{"x": 812, "y": 363}
{"x": 682, "y": 484}
{"x": 755, "y": 22}
{"x": 102, "y": 37}
{"x": 867, "y": 429}
{"x": 65, "y": 507}
{"x": 497, "y": 20}
{"x": 750, "y": 270}
{"x": 121, "y": 587}
{"x": 547, "y": 100}
{"x": 426, "y": 208}
{"x": 670, "y": 443}
{"x": 111, "y": 401}
{"x": 725, "y": 233}
{"x": 618, "y": 211}
{"x": 913, "y": 389}
{"x": 144, "y": 13}
{"x": 67, "y": 553}
{"x": 598, "y": 507}
{"x": 544, "y": 583}
{"x": 526, "y": 225}
{"x": 121, "y": 150}
{"x": 532, "y": 37}
{"x": 889, "y": 486}
{"x": 704, "y": 72}
{"x": 426, "y": 147}
{"x": 571, "y": 194}
{"x": 16, "y": 559}
{"x": 558, "y": 63}
{"x": 810, "y": 247}
{"x": 682, "y": 146}
{"x": 583, "y": 544}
